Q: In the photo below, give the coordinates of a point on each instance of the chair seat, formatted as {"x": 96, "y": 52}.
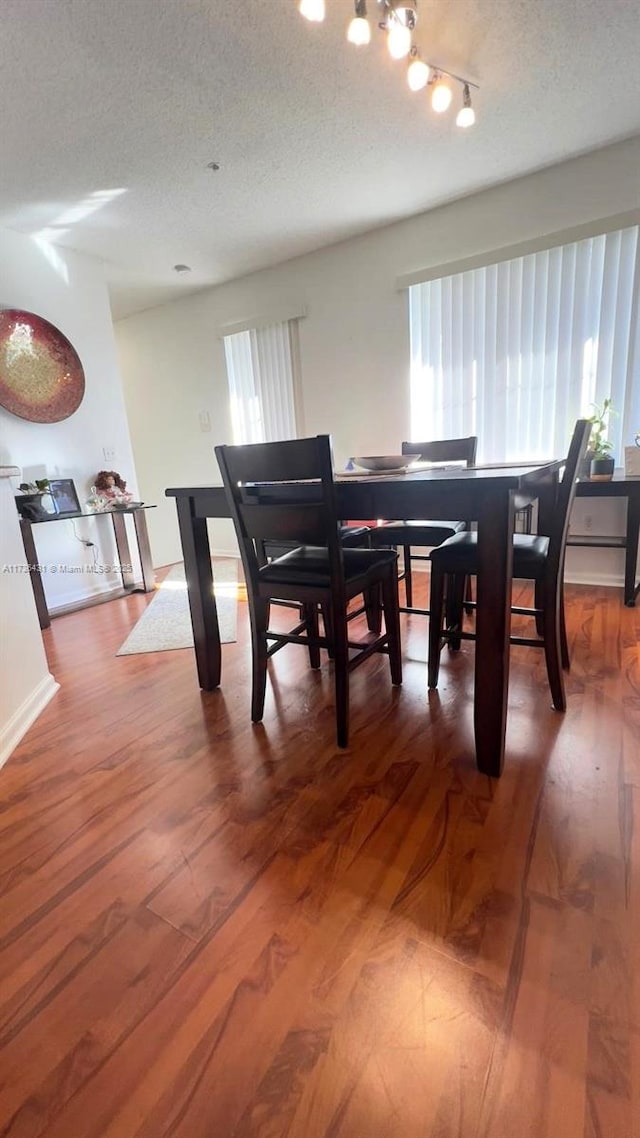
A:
{"x": 415, "y": 533}
{"x": 354, "y": 535}
{"x": 309, "y": 565}
{"x": 349, "y": 536}
{"x": 459, "y": 554}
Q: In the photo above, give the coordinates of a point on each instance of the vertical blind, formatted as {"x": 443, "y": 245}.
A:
{"x": 515, "y": 352}
{"x": 260, "y": 373}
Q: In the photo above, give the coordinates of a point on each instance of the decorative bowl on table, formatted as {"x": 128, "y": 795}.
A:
{"x": 388, "y": 463}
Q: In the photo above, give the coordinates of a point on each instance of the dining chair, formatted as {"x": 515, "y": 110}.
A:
{"x": 406, "y": 534}
{"x": 536, "y": 557}
{"x": 285, "y": 492}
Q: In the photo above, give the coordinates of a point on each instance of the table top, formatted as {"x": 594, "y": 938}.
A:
{"x": 508, "y": 475}
{"x": 617, "y": 487}
{"x": 462, "y": 492}
{"x": 73, "y": 514}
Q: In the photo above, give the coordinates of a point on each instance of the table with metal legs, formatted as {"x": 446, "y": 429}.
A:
{"x": 129, "y": 582}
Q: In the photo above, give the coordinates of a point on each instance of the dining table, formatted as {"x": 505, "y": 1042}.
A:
{"x": 485, "y": 495}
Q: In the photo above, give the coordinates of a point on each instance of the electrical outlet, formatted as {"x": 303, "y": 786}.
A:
{"x": 109, "y": 454}
{"x": 588, "y": 523}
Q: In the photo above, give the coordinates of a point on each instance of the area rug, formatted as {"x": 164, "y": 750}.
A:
{"x": 166, "y": 622}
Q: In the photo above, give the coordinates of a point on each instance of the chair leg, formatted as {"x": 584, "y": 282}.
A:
{"x": 408, "y": 580}
{"x": 373, "y": 609}
{"x": 436, "y": 606}
{"x": 552, "y": 652}
{"x": 328, "y": 629}
{"x": 564, "y": 643}
{"x": 259, "y": 618}
{"x": 468, "y": 597}
{"x": 310, "y": 616}
{"x": 392, "y": 624}
{"x": 454, "y": 607}
{"x": 538, "y": 601}
{"x": 341, "y": 675}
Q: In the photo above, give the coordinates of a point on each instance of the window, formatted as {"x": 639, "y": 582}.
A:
{"x": 260, "y": 371}
{"x": 515, "y": 352}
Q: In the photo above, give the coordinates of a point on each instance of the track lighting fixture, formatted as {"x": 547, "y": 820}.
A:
{"x": 398, "y": 20}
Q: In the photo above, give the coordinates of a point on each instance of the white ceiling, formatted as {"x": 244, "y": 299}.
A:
{"x": 316, "y": 140}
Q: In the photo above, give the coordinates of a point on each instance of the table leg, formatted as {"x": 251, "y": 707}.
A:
{"x": 631, "y": 555}
{"x": 144, "y": 549}
{"x": 122, "y": 548}
{"x": 36, "y": 580}
{"x": 493, "y": 623}
{"x": 124, "y": 552}
{"x": 202, "y": 603}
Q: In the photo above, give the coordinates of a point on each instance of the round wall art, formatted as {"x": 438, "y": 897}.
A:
{"x": 41, "y": 377}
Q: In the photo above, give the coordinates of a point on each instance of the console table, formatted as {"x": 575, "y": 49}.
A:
{"x": 620, "y": 486}
{"x": 129, "y": 584}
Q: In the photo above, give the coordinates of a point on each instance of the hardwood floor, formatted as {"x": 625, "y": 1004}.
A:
{"x": 215, "y": 930}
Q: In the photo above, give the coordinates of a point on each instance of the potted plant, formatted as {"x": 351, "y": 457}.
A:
{"x": 602, "y": 464}
{"x": 29, "y": 500}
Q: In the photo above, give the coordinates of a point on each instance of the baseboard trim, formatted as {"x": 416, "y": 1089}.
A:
{"x": 233, "y": 553}
{"x": 226, "y": 553}
{"x": 111, "y": 594}
{"x": 26, "y": 715}
{"x": 608, "y": 580}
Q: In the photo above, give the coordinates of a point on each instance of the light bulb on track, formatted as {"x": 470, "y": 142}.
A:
{"x": 417, "y": 74}
{"x": 398, "y": 40}
{"x": 359, "y": 32}
{"x": 312, "y": 10}
{"x": 441, "y": 95}
{"x": 466, "y": 115}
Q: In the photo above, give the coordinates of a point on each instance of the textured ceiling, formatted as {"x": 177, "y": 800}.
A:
{"x": 316, "y": 140}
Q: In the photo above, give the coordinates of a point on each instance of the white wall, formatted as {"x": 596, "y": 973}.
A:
{"x": 26, "y": 684}
{"x": 70, "y": 291}
{"x": 354, "y": 340}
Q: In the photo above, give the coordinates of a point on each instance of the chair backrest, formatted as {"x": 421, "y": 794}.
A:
{"x": 282, "y": 492}
{"x": 566, "y": 494}
{"x": 445, "y": 450}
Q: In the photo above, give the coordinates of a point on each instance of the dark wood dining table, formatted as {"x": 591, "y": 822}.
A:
{"x": 486, "y": 495}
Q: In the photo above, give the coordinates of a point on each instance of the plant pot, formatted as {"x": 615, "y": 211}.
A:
{"x": 601, "y": 469}
{"x": 30, "y": 506}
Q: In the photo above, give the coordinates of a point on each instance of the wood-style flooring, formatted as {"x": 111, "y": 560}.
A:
{"x": 215, "y": 930}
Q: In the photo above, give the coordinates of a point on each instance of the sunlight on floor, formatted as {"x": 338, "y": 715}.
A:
{"x": 235, "y": 589}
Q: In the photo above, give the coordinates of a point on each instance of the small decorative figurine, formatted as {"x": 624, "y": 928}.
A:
{"x": 110, "y": 486}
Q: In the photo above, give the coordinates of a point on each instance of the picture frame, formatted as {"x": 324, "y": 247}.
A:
{"x": 632, "y": 461}
{"x": 64, "y": 496}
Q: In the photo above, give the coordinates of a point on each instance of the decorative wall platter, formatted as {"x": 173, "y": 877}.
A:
{"x": 41, "y": 377}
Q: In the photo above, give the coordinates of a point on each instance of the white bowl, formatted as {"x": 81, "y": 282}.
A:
{"x": 385, "y": 461}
